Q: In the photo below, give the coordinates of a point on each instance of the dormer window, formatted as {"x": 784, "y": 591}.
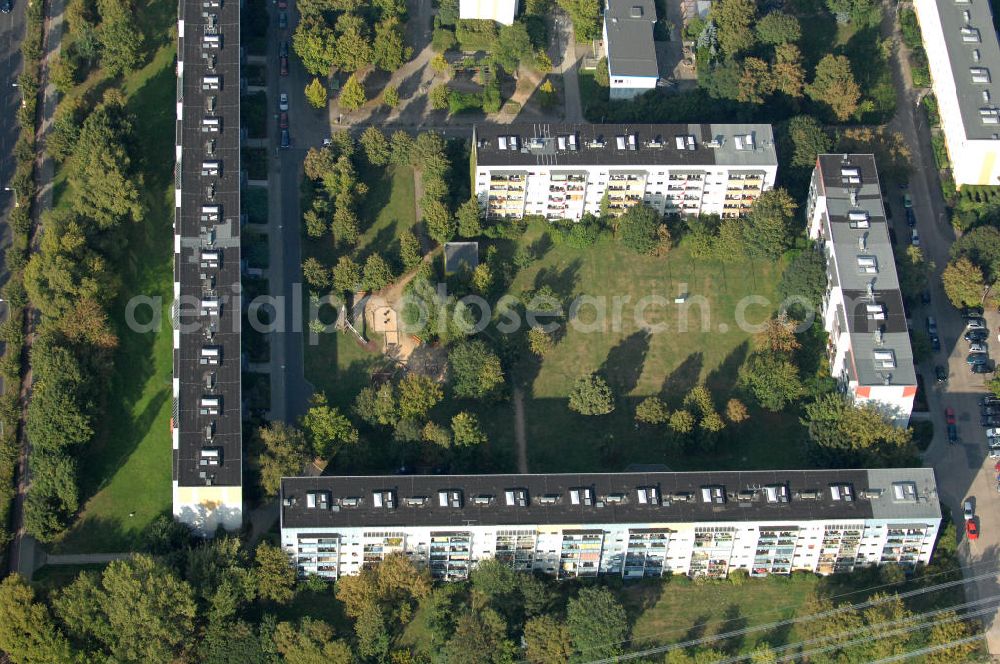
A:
{"x": 980, "y": 74}
{"x": 450, "y": 498}
{"x": 904, "y": 492}
{"x": 318, "y": 500}
{"x": 841, "y": 493}
{"x": 516, "y": 497}
{"x": 384, "y": 499}
{"x": 648, "y": 495}
{"x": 713, "y": 494}
{"x": 884, "y": 358}
{"x": 875, "y": 311}
{"x": 859, "y": 219}
{"x": 581, "y": 496}
{"x": 970, "y": 35}
{"x": 776, "y": 493}
{"x": 990, "y": 116}
{"x": 867, "y": 264}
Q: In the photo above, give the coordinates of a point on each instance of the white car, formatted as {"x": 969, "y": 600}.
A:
{"x": 914, "y": 237}
{"x": 993, "y": 433}
{"x": 283, "y": 101}
{"x": 967, "y": 509}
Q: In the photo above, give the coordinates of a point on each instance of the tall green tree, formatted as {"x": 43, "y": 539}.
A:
{"x": 475, "y": 370}
{"x": 547, "y": 641}
{"x": 467, "y": 430}
{"x": 389, "y": 51}
{"x": 480, "y": 637}
{"x": 586, "y": 18}
{"x": 121, "y": 39}
{"x": 316, "y": 45}
{"x": 734, "y": 20}
{"x": 834, "y": 86}
{"x": 273, "y": 573}
{"x": 598, "y": 624}
{"x": 352, "y": 95}
{"x": 778, "y": 28}
{"x": 637, "y": 229}
{"x": 591, "y": 395}
{"x": 285, "y": 453}
{"x": 768, "y": 231}
{"x": 963, "y": 283}
{"x": 417, "y": 395}
{"x": 326, "y": 428}
{"x": 843, "y": 434}
{"x": 316, "y": 94}
{"x": 808, "y": 140}
{"x": 354, "y": 47}
{"x": 375, "y": 145}
{"x": 376, "y": 274}
{"x": 310, "y": 642}
{"x": 28, "y": 635}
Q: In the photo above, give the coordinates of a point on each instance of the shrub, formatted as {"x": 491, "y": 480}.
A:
{"x": 462, "y": 102}
{"x": 443, "y": 40}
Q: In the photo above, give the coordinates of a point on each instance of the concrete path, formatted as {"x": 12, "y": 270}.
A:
{"x": 567, "y": 65}
{"x": 79, "y": 558}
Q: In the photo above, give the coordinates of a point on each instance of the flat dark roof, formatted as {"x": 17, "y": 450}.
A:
{"x": 548, "y": 498}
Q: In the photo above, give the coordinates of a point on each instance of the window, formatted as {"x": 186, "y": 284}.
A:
{"x": 904, "y": 492}
{"x": 884, "y": 358}
{"x": 859, "y": 219}
{"x": 516, "y": 497}
{"x": 990, "y": 116}
{"x": 970, "y": 35}
{"x": 713, "y": 494}
{"x": 980, "y": 74}
{"x": 776, "y": 493}
{"x": 841, "y": 492}
{"x": 868, "y": 264}
{"x": 875, "y": 311}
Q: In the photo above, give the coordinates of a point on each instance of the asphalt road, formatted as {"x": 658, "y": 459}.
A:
{"x": 11, "y": 34}
{"x": 963, "y": 470}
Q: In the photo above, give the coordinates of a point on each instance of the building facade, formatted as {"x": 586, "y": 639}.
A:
{"x": 501, "y": 11}
{"x": 964, "y": 56}
{"x": 629, "y": 524}
{"x": 869, "y": 341}
{"x": 206, "y": 426}
{"x": 631, "y": 51}
{"x": 564, "y": 171}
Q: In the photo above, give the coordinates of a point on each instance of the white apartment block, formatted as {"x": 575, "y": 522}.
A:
{"x": 501, "y": 11}
{"x": 964, "y": 57}
{"x": 563, "y": 171}
{"x": 628, "y": 40}
{"x": 869, "y": 342}
{"x": 629, "y": 524}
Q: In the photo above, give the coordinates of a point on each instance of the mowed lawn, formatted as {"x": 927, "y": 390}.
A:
{"x": 608, "y": 339}
{"x": 125, "y": 473}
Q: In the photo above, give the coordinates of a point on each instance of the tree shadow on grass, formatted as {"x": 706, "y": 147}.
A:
{"x": 722, "y": 381}
{"x": 625, "y": 362}
{"x": 562, "y": 280}
{"x": 732, "y": 621}
{"x": 680, "y": 381}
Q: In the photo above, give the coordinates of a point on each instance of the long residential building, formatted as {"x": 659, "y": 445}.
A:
{"x": 628, "y": 524}
{"x": 964, "y": 56}
{"x": 869, "y": 342}
{"x": 562, "y": 171}
{"x": 206, "y": 424}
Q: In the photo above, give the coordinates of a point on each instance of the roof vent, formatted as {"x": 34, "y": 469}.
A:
{"x": 482, "y": 500}
{"x": 713, "y": 494}
{"x": 636, "y": 11}
{"x": 975, "y": 55}
{"x": 859, "y": 219}
{"x": 841, "y": 493}
{"x": 776, "y": 493}
{"x": 620, "y": 142}
{"x": 904, "y": 492}
{"x": 450, "y": 498}
{"x": 581, "y": 496}
{"x": 415, "y": 501}
{"x": 548, "y": 499}
{"x": 516, "y": 497}
{"x": 885, "y": 358}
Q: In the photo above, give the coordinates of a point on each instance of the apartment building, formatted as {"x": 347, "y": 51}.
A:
{"x": 964, "y": 56}
{"x": 501, "y": 11}
{"x": 869, "y": 343}
{"x": 629, "y": 524}
{"x": 628, "y": 40}
{"x": 206, "y": 422}
{"x": 562, "y": 171}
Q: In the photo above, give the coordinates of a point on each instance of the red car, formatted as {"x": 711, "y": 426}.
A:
{"x": 971, "y": 530}
{"x": 284, "y": 65}
{"x": 283, "y": 120}
{"x": 949, "y": 415}
{"x": 282, "y": 4}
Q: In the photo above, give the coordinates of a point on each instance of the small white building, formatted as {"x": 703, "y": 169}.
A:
{"x": 964, "y": 57}
{"x": 869, "y": 344}
{"x": 629, "y": 524}
{"x": 564, "y": 171}
{"x": 628, "y": 39}
{"x": 501, "y": 11}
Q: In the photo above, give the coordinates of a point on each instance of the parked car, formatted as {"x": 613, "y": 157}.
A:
{"x": 282, "y": 4}
{"x": 983, "y": 368}
{"x": 990, "y": 410}
{"x": 978, "y": 347}
{"x": 914, "y": 237}
{"x": 990, "y": 421}
{"x": 283, "y": 60}
{"x": 6, "y": 6}
{"x": 911, "y": 218}
{"x": 907, "y": 201}
{"x": 283, "y": 49}
{"x": 935, "y": 343}
{"x": 967, "y": 510}
{"x": 975, "y": 323}
{"x": 971, "y": 530}
{"x": 282, "y": 20}
{"x": 993, "y": 433}
{"x": 286, "y": 139}
{"x": 925, "y": 297}
{"x": 988, "y": 399}
{"x": 977, "y": 358}
{"x": 949, "y": 415}
{"x": 952, "y": 434}
{"x": 283, "y": 120}
{"x": 931, "y": 325}
{"x": 283, "y": 101}
{"x": 941, "y": 374}
{"x": 976, "y": 335}
{"x": 972, "y": 312}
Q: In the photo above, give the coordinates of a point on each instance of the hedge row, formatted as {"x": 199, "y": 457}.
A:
{"x": 20, "y": 221}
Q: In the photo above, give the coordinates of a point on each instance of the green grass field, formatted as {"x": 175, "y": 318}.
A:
{"x": 126, "y": 470}
{"x": 387, "y": 210}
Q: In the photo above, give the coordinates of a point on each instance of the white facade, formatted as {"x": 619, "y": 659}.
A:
{"x": 501, "y": 11}
{"x": 629, "y": 524}
{"x": 676, "y": 173}
{"x": 964, "y": 57}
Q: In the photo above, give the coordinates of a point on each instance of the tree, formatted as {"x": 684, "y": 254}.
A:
{"x": 390, "y": 52}
{"x": 756, "y": 82}
{"x": 963, "y": 283}
{"x": 274, "y": 574}
{"x": 808, "y": 140}
{"x": 440, "y": 223}
{"x": 311, "y": 642}
{"x": 401, "y": 147}
{"x": 316, "y": 45}
{"x": 949, "y": 628}
{"x": 354, "y": 48}
{"x": 844, "y": 434}
{"x": 778, "y": 336}
{"x": 373, "y": 637}
{"x": 468, "y": 218}
{"x": 804, "y": 278}
{"x": 598, "y": 625}
{"x": 637, "y": 229}
{"x": 913, "y": 271}
{"x": 436, "y": 435}
{"x": 773, "y": 380}
{"x": 591, "y": 396}
{"x": 834, "y": 85}
{"x": 352, "y": 95}
{"x": 319, "y": 163}
{"x": 63, "y": 73}
{"x": 787, "y": 75}
{"x": 345, "y": 226}
{"x": 475, "y": 370}
{"x": 467, "y": 431}
{"x": 375, "y": 145}
{"x": 681, "y": 421}
{"x": 734, "y": 20}
{"x": 480, "y": 637}
{"x": 652, "y": 410}
{"x": 121, "y": 39}
{"x": 778, "y": 28}
{"x": 601, "y": 74}
{"x": 377, "y": 407}
{"x": 768, "y": 231}
{"x": 316, "y": 225}
{"x": 513, "y": 47}
{"x": 285, "y": 452}
{"x": 439, "y": 97}
{"x": 346, "y": 275}
{"x": 315, "y": 274}
{"x": 736, "y": 411}
{"x": 547, "y": 641}
{"x": 417, "y": 395}
{"x": 586, "y": 18}
{"x": 390, "y": 96}
{"x": 409, "y": 250}
{"x": 27, "y": 631}
{"x": 316, "y": 94}
{"x": 443, "y": 40}
{"x": 377, "y": 273}
{"x": 539, "y": 341}
{"x": 326, "y": 428}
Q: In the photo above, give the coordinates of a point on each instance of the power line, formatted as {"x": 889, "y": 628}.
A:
{"x": 929, "y": 649}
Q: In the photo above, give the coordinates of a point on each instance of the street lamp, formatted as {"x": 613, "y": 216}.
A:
{"x": 13, "y": 191}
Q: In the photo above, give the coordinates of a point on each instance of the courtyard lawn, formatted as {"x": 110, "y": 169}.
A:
{"x": 710, "y": 348}
{"x": 125, "y": 474}
{"x": 387, "y": 210}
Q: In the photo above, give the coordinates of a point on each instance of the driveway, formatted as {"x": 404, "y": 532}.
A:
{"x": 963, "y": 470}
